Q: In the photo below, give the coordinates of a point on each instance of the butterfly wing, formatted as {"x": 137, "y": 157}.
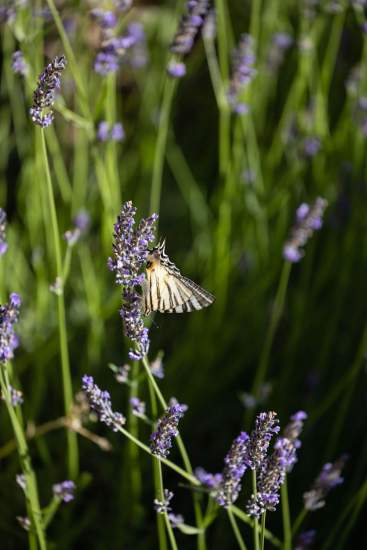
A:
{"x": 167, "y": 291}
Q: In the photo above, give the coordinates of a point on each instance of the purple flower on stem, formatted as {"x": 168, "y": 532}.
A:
{"x": 106, "y": 62}
{"x": 64, "y": 490}
{"x": 167, "y": 427}
{"x": 104, "y": 133}
{"x": 3, "y": 243}
{"x": 100, "y": 402}
{"x": 234, "y": 469}
{"x": 328, "y": 479}
{"x": 311, "y": 146}
{"x": 130, "y": 251}
{"x": 9, "y": 314}
{"x": 16, "y": 396}
{"x": 211, "y": 481}
{"x": 243, "y": 73}
{"x": 266, "y": 425}
{"x": 270, "y": 476}
{"x": 106, "y": 19}
{"x": 175, "y": 520}
{"x": 72, "y": 236}
{"x": 44, "y": 96}
{"x": 18, "y": 63}
{"x": 176, "y": 69}
{"x": 138, "y": 406}
{"x": 308, "y": 220}
{"x": 82, "y": 220}
{"x": 138, "y": 55}
{"x": 117, "y": 132}
{"x": 189, "y": 26}
{"x": 156, "y": 367}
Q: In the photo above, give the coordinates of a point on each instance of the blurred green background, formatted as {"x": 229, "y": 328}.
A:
{"x": 225, "y": 222}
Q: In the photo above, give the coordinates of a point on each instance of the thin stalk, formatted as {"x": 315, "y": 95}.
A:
{"x": 299, "y": 520}
{"x": 275, "y": 318}
{"x": 256, "y": 522}
{"x": 160, "y": 520}
{"x": 246, "y": 519}
{"x": 171, "y": 535}
{"x": 72, "y": 443}
{"x": 236, "y": 531}
{"x": 185, "y": 458}
{"x": 133, "y": 452}
{"x": 160, "y": 147}
{"x": 262, "y": 536}
{"x": 287, "y": 530}
{"x": 26, "y": 465}
{"x": 50, "y": 511}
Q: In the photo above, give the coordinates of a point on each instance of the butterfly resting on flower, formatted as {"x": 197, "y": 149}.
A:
{"x": 166, "y": 290}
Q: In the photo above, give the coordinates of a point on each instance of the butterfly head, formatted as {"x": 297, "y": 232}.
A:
{"x": 155, "y": 255}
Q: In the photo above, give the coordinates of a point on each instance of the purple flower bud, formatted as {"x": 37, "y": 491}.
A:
{"x": 19, "y": 65}
{"x": 100, "y": 402}
{"x": 176, "y": 69}
{"x": 9, "y": 314}
{"x": 64, "y": 490}
{"x": 117, "y": 132}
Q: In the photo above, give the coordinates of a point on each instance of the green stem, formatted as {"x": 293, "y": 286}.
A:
{"x": 31, "y": 481}
{"x": 184, "y": 455}
{"x": 287, "y": 531}
{"x": 160, "y": 147}
{"x": 249, "y": 521}
{"x": 275, "y": 317}
{"x": 262, "y": 537}
{"x": 256, "y": 522}
{"x": 237, "y": 533}
{"x": 72, "y": 453}
{"x": 50, "y": 511}
{"x": 171, "y": 535}
{"x": 299, "y": 520}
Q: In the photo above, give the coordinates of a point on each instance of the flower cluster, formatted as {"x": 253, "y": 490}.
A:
{"x": 161, "y": 439}
{"x": 308, "y": 220}
{"x": 163, "y": 506}
{"x": 9, "y": 314}
{"x": 234, "y": 469}
{"x": 266, "y": 425}
{"x": 114, "y": 133}
{"x": 16, "y": 396}
{"x": 211, "y": 481}
{"x": 242, "y": 73}
{"x": 100, "y": 402}
{"x": 189, "y": 26}
{"x": 130, "y": 251}
{"x": 270, "y": 476}
{"x": 3, "y": 243}
{"x": 114, "y": 47}
{"x": 328, "y": 479}
{"x": 292, "y": 432}
{"x": 64, "y": 490}
{"x": 137, "y": 406}
{"x": 44, "y": 96}
{"x": 18, "y": 63}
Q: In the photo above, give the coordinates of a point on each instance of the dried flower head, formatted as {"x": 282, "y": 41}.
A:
{"x": 167, "y": 427}
{"x": 242, "y": 73}
{"x": 9, "y": 314}
{"x": 3, "y": 243}
{"x": 130, "y": 251}
{"x": 234, "y": 469}
{"x": 308, "y": 220}
{"x": 24, "y": 522}
{"x": 44, "y": 96}
{"x": 189, "y": 26}
{"x": 163, "y": 506}
{"x": 64, "y": 490}
{"x": 100, "y": 402}
{"x": 21, "y": 481}
{"x": 328, "y": 479}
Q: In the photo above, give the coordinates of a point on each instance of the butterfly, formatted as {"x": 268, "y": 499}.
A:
{"x": 166, "y": 290}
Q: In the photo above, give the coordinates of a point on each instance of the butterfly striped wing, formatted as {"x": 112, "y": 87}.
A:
{"x": 167, "y": 291}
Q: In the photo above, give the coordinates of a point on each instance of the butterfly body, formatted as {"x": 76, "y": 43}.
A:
{"x": 167, "y": 290}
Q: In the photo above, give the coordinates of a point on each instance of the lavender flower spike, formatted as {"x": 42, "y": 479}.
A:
{"x": 44, "y": 96}
{"x": 130, "y": 251}
{"x": 266, "y": 426}
{"x": 189, "y": 26}
{"x": 8, "y": 317}
{"x": 270, "y": 476}
{"x": 3, "y": 243}
{"x": 100, "y": 402}
{"x": 235, "y": 467}
{"x": 242, "y": 74}
{"x": 308, "y": 220}
{"x": 64, "y": 490}
{"x": 292, "y": 432}
{"x": 161, "y": 440}
{"x": 328, "y": 479}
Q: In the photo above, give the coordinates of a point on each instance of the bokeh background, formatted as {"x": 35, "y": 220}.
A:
{"x": 225, "y": 222}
